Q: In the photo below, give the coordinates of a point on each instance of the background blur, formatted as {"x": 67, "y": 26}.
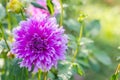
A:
{"x": 108, "y": 39}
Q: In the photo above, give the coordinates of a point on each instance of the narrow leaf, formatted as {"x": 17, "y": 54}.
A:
{"x": 50, "y": 6}
{"x": 37, "y": 5}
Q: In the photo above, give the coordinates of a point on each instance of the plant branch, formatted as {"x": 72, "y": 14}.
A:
{"x": 3, "y": 35}
{"x": 78, "y": 42}
{"x": 39, "y": 75}
{"x": 45, "y": 75}
{"x": 61, "y": 16}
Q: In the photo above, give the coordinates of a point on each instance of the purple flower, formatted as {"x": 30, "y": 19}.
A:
{"x": 40, "y": 43}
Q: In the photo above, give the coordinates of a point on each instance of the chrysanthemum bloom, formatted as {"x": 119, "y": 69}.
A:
{"x": 33, "y": 11}
{"x": 40, "y": 43}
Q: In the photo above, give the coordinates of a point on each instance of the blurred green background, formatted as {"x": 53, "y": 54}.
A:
{"x": 108, "y": 39}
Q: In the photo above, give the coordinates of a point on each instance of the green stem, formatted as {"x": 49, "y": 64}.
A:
{"x": 61, "y": 16}
{"x": 33, "y": 76}
{"x": 39, "y": 75}
{"x": 78, "y": 42}
{"x": 9, "y": 22}
{"x": 3, "y": 35}
{"x": 45, "y": 75}
{"x": 26, "y": 74}
{"x": 23, "y": 17}
{"x": 118, "y": 69}
{"x": 81, "y": 32}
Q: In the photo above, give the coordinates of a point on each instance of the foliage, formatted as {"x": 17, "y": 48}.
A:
{"x": 115, "y": 75}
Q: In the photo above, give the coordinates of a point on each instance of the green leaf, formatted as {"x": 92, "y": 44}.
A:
{"x": 83, "y": 63}
{"x": 93, "y": 28}
{"x": 85, "y": 41}
{"x": 114, "y": 77}
{"x": 72, "y": 42}
{"x": 17, "y": 72}
{"x": 50, "y": 75}
{"x": 2, "y": 44}
{"x": 102, "y": 57}
{"x": 2, "y": 12}
{"x": 118, "y": 58}
{"x": 65, "y": 71}
{"x": 78, "y": 68}
{"x": 72, "y": 25}
{"x": 66, "y": 75}
{"x": 94, "y": 64}
{"x": 50, "y": 6}
{"x": 37, "y": 5}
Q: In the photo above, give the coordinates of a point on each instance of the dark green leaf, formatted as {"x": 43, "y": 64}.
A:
{"x": 37, "y": 5}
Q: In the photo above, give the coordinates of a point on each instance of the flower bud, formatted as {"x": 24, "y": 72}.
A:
{"x": 14, "y": 6}
{"x": 10, "y": 55}
{"x": 82, "y": 17}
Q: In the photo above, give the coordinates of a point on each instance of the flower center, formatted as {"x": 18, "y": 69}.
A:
{"x": 37, "y": 44}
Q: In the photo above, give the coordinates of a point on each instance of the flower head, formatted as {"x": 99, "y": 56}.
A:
{"x": 33, "y": 11}
{"x": 15, "y": 6}
{"x": 40, "y": 43}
